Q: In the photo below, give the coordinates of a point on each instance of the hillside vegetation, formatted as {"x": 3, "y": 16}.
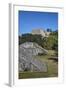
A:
{"x": 50, "y": 43}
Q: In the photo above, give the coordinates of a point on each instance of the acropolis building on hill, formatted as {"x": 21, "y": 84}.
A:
{"x": 40, "y": 32}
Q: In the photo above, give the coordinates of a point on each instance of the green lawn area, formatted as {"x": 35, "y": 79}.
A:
{"x": 52, "y": 64}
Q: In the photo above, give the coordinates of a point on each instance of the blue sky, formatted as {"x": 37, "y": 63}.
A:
{"x": 29, "y": 20}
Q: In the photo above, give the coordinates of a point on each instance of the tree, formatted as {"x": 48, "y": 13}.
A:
{"x": 51, "y": 42}
{"x": 49, "y": 30}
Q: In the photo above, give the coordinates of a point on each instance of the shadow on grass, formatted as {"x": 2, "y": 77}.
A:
{"x": 54, "y": 59}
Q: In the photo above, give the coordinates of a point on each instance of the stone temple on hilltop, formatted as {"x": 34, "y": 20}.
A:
{"x": 26, "y": 60}
{"x": 41, "y": 32}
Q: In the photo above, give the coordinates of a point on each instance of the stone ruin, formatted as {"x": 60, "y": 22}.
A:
{"x": 26, "y": 60}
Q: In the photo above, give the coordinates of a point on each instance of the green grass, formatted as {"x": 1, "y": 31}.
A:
{"x": 32, "y": 75}
{"x": 52, "y": 67}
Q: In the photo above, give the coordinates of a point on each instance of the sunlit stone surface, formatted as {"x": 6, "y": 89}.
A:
{"x": 26, "y": 60}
